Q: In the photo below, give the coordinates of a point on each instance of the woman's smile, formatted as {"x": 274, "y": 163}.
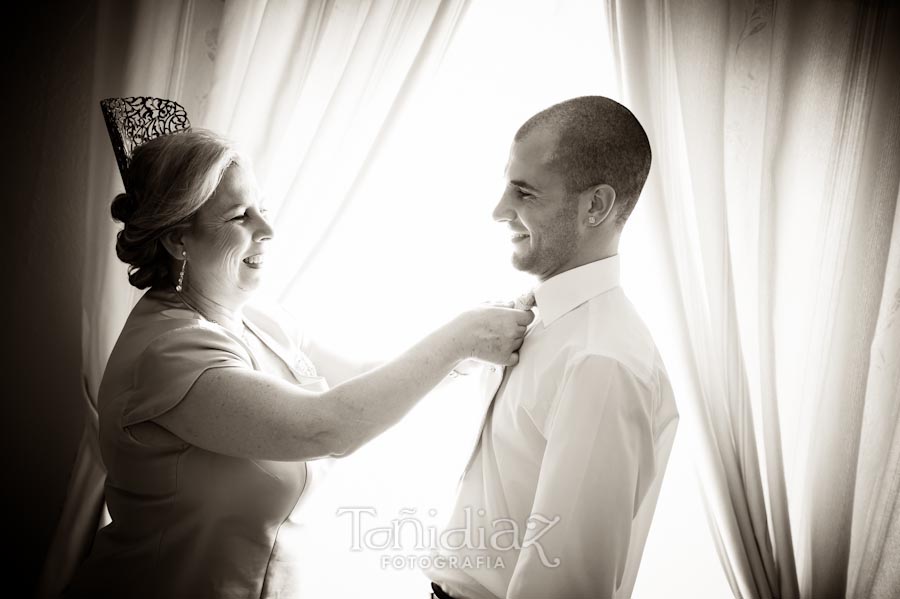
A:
{"x": 255, "y": 261}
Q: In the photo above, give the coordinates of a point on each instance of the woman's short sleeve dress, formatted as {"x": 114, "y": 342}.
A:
{"x": 186, "y": 522}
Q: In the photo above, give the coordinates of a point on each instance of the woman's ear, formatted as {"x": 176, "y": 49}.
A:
{"x": 603, "y": 198}
{"x": 173, "y": 241}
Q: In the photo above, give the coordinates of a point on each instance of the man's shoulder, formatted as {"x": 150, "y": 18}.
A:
{"x": 615, "y": 331}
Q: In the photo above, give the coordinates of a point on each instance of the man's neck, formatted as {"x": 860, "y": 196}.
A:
{"x": 581, "y": 261}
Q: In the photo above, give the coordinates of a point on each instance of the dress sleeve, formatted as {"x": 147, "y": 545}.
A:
{"x": 172, "y": 363}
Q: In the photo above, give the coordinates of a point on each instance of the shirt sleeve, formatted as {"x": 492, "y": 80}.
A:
{"x": 597, "y": 466}
{"x": 171, "y": 364}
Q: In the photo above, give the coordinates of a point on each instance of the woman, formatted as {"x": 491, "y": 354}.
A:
{"x": 208, "y": 412}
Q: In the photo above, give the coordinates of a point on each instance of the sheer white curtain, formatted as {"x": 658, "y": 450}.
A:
{"x": 306, "y": 88}
{"x": 776, "y": 135}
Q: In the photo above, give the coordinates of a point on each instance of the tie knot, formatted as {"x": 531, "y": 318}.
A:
{"x": 525, "y": 301}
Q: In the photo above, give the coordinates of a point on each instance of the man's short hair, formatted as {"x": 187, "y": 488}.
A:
{"x": 598, "y": 141}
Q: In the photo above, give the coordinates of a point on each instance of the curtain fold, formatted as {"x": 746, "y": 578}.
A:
{"x": 306, "y": 88}
{"x": 775, "y": 134}
{"x": 875, "y": 543}
{"x": 875, "y": 535}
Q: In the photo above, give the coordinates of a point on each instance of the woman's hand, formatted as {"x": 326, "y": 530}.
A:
{"x": 492, "y": 333}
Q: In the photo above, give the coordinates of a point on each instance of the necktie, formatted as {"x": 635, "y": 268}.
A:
{"x": 526, "y": 301}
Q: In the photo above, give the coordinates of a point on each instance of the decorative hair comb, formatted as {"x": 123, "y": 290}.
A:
{"x": 132, "y": 122}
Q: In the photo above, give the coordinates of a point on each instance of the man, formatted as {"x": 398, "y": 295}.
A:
{"x": 558, "y": 496}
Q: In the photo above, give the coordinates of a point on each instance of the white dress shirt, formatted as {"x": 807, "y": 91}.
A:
{"x": 560, "y": 491}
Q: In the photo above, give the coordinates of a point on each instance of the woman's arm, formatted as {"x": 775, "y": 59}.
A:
{"x": 245, "y": 413}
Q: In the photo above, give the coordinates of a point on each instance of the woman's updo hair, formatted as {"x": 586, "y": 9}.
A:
{"x": 168, "y": 180}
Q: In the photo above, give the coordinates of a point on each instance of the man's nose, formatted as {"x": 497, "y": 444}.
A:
{"x": 502, "y": 211}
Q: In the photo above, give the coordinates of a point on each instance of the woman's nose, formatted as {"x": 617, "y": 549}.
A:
{"x": 264, "y": 231}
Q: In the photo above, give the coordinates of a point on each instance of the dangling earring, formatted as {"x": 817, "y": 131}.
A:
{"x": 178, "y": 287}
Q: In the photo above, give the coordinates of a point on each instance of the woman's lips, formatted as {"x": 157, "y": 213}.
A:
{"x": 255, "y": 261}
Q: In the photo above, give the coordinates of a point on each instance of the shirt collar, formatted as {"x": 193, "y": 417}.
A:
{"x": 566, "y": 291}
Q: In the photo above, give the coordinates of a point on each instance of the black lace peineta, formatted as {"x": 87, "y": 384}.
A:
{"x": 135, "y": 121}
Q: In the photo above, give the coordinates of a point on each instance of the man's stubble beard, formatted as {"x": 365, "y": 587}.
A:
{"x": 557, "y": 245}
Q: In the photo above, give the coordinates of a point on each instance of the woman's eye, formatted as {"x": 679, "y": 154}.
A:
{"x": 240, "y": 216}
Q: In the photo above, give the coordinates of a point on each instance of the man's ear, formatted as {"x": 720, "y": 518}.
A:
{"x": 173, "y": 241}
{"x": 602, "y": 201}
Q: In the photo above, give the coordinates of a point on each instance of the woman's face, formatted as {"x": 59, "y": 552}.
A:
{"x": 226, "y": 244}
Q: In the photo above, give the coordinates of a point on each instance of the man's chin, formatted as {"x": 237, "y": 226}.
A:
{"x": 522, "y": 262}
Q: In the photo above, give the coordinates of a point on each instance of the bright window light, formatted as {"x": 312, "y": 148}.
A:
{"x": 416, "y": 246}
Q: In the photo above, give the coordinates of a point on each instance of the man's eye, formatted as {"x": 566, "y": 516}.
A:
{"x": 240, "y": 216}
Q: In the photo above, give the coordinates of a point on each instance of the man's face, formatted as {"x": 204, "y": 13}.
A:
{"x": 541, "y": 215}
